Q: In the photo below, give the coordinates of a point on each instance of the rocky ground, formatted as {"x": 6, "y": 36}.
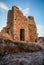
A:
{"x": 21, "y": 53}
{"x": 23, "y": 59}
{"x": 10, "y": 47}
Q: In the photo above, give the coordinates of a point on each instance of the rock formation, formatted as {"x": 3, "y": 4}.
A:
{"x": 19, "y": 28}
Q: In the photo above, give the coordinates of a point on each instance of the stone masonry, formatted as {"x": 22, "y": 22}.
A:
{"x": 19, "y": 27}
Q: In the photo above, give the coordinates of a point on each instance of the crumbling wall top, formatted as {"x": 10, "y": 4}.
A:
{"x": 31, "y": 17}
{"x": 15, "y": 7}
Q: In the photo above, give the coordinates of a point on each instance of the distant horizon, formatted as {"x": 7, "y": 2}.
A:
{"x": 33, "y": 8}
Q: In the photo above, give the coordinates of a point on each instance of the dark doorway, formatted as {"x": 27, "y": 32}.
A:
{"x": 22, "y": 34}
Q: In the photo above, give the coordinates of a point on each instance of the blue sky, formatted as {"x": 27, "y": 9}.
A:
{"x": 29, "y": 7}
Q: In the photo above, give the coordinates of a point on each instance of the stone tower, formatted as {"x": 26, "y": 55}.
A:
{"x": 19, "y": 28}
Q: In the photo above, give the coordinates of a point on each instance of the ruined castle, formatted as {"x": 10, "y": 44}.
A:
{"x": 19, "y": 27}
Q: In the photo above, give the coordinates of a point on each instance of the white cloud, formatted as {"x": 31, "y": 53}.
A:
{"x": 25, "y": 11}
{"x": 19, "y": 7}
{"x": 3, "y": 6}
{"x": 40, "y": 30}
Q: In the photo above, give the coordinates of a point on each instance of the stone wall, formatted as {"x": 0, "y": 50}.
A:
{"x": 17, "y": 21}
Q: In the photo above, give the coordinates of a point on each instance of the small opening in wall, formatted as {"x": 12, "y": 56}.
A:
{"x": 35, "y": 40}
{"x": 22, "y": 34}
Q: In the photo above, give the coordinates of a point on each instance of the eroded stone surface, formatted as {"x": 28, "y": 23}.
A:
{"x": 16, "y": 23}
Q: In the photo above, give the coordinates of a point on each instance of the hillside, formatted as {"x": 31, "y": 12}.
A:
{"x": 21, "y": 53}
{"x": 7, "y": 46}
